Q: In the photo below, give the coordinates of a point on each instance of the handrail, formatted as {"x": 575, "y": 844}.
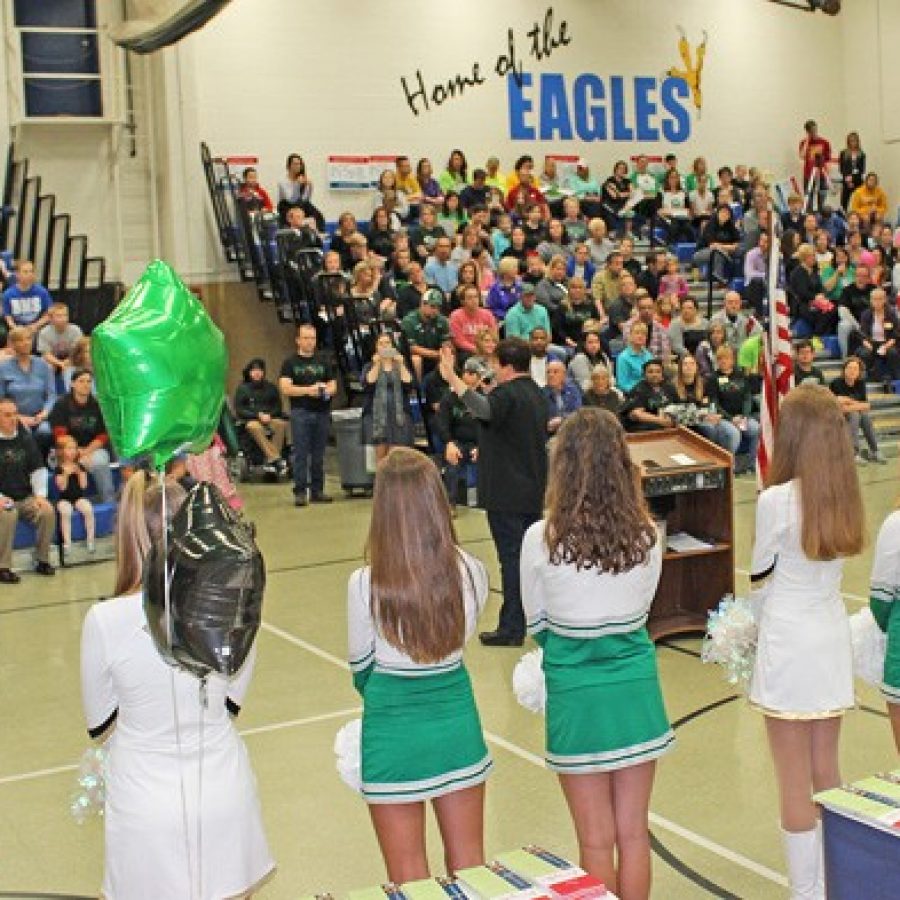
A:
{"x": 711, "y": 277}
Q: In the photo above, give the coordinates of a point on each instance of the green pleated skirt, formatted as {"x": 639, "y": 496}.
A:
{"x": 891, "y": 685}
{"x": 605, "y": 709}
{"x": 421, "y": 737}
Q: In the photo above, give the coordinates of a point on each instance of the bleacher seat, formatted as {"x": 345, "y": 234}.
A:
{"x": 801, "y": 329}
{"x": 685, "y": 252}
{"x": 26, "y": 535}
{"x": 736, "y": 284}
{"x": 832, "y": 346}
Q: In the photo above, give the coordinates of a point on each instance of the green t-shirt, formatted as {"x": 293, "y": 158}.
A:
{"x": 749, "y": 353}
{"x": 430, "y": 333}
{"x": 645, "y": 182}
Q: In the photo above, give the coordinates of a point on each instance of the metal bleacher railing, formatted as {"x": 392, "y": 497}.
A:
{"x": 287, "y": 272}
{"x": 32, "y": 228}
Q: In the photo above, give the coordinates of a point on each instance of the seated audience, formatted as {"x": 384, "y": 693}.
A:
{"x": 381, "y": 233}
{"x": 805, "y": 370}
{"x": 452, "y": 216}
{"x": 575, "y": 223}
{"x": 525, "y": 194}
{"x": 707, "y": 348}
{"x": 620, "y": 310}
{"x": 456, "y": 176}
{"x": 57, "y": 339}
{"x": 77, "y": 414}
{"x": 80, "y": 359}
{"x": 518, "y": 248}
{"x": 806, "y": 296}
{"x": 589, "y": 356}
{"x": 576, "y": 307}
{"x": 648, "y": 278}
{"x": 506, "y": 291}
{"x": 645, "y": 404}
{"x": 432, "y": 194}
{"x": 688, "y": 328}
{"x": 869, "y": 198}
{"x": 701, "y": 203}
{"x": 599, "y": 245}
{"x": 71, "y": 479}
{"x": 739, "y": 325}
{"x": 23, "y": 492}
{"x": 876, "y": 341}
{"x": 468, "y": 320}
{"x": 440, "y": 271}
{"x": 854, "y": 301}
{"x": 792, "y": 218}
{"x": 616, "y": 192}
{"x": 486, "y": 343}
{"x": 252, "y": 194}
{"x": 525, "y": 315}
{"x": 551, "y": 290}
{"x": 563, "y": 396}
{"x": 630, "y": 263}
{"x": 340, "y": 240}
{"x": 406, "y": 181}
{"x": 579, "y": 264}
{"x": 631, "y": 361}
{"x": 606, "y": 283}
{"x": 258, "y": 406}
{"x": 674, "y": 211}
{"x": 602, "y": 393}
{"x": 29, "y": 381}
{"x": 672, "y": 281}
{"x": 719, "y": 234}
{"x": 850, "y": 389}
{"x": 729, "y": 389}
{"x": 425, "y": 330}
{"x": 555, "y": 242}
{"x": 26, "y": 304}
{"x": 691, "y": 407}
{"x": 541, "y": 355}
{"x": 658, "y": 344}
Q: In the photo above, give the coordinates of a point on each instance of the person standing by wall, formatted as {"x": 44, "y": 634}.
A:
{"x": 815, "y": 155}
{"x": 308, "y": 381}
{"x": 512, "y": 469}
{"x": 809, "y": 520}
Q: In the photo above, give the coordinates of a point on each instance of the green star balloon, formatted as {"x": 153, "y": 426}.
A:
{"x": 159, "y": 363}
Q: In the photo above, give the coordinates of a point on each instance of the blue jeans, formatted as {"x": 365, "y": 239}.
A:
{"x": 102, "y": 475}
{"x": 508, "y": 531}
{"x": 452, "y": 474}
{"x": 309, "y": 433}
{"x": 723, "y": 433}
{"x": 750, "y": 439}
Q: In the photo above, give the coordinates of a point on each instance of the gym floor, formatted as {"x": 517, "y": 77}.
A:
{"x": 714, "y": 820}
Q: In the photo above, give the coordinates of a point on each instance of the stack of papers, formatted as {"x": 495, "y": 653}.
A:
{"x": 874, "y": 800}
{"x": 681, "y": 541}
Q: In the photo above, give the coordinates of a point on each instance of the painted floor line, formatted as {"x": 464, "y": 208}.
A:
{"x": 246, "y": 732}
{"x": 535, "y": 760}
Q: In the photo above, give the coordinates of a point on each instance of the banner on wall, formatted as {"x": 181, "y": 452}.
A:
{"x": 378, "y": 163}
{"x": 349, "y": 173}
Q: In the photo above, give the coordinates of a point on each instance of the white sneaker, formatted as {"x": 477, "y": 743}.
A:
{"x": 861, "y": 460}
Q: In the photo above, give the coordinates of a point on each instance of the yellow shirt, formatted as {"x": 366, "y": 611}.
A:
{"x": 409, "y": 185}
{"x": 865, "y": 201}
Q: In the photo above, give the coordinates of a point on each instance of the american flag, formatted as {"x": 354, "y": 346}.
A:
{"x": 777, "y": 368}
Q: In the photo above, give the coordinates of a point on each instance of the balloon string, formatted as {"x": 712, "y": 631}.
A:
{"x": 203, "y": 702}
{"x": 167, "y": 601}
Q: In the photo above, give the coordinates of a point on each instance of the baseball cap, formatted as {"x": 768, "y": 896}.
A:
{"x": 527, "y": 287}
{"x": 434, "y": 298}
{"x": 476, "y": 366}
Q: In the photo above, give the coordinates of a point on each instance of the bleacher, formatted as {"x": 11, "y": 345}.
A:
{"x": 33, "y": 227}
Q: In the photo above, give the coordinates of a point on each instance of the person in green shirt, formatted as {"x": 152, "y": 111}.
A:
{"x": 456, "y": 176}
{"x": 699, "y": 172}
{"x": 526, "y": 315}
{"x": 425, "y": 329}
{"x": 581, "y": 184}
{"x": 837, "y": 274}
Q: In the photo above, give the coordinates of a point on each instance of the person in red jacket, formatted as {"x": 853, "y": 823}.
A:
{"x": 815, "y": 154}
{"x": 253, "y": 193}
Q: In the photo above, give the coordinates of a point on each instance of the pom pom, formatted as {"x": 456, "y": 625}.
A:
{"x": 528, "y": 682}
{"x": 730, "y": 640}
{"x": 869, "y": 645}
{"x": 89, "y": 796}
{"x": 347, "y": 749}
{"x": 867, "y": 258}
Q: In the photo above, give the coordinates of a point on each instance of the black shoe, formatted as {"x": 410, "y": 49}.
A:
{"x": 320, "y": 498}
{"x": 300, "y": 500}
{"x": 500, "y": 639}
{"x": 7, "y": 576}
{"x": 44, "y": 568}
{"x": 281, "y": 466}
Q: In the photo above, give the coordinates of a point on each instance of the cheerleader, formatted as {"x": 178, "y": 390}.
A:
{"x": 163, "y": 836}
{"x": 808, "y": 520}
{"x": 410, "y": 612}
{"x": 589, "y": 573}
{"x": 885, "y": 595}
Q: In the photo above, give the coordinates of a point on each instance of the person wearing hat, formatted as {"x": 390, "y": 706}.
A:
{"x": 458, "y": 428}
{"x": 77, "y": 414}
{"x": 526, "y": 315}
{"x": 425, "y": 329}
{"x": 257, "y": 404}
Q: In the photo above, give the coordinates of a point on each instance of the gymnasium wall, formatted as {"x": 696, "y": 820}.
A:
{"x": 268, "y": 77}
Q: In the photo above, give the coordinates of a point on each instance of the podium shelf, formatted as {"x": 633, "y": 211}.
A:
{"x": 703, "y": 551}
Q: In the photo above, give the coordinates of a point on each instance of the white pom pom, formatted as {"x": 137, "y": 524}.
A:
{"x": 731, "y": 634}
{"x": 348, "y": 752}
{"x": 869, "y": 644}
{"x": 528, "y": 682}
{"x": 89, "y": 797}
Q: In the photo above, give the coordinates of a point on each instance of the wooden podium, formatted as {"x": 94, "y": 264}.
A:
{"x": 688, "y": 482}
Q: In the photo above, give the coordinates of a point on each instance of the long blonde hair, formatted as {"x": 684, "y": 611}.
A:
{"x": 812, "y": 446}
{"x": 416, "y": 582}
{"x": 139, "y": 523}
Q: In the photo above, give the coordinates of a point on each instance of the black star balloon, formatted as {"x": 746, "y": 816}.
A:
{"x": 216, "y": 578}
